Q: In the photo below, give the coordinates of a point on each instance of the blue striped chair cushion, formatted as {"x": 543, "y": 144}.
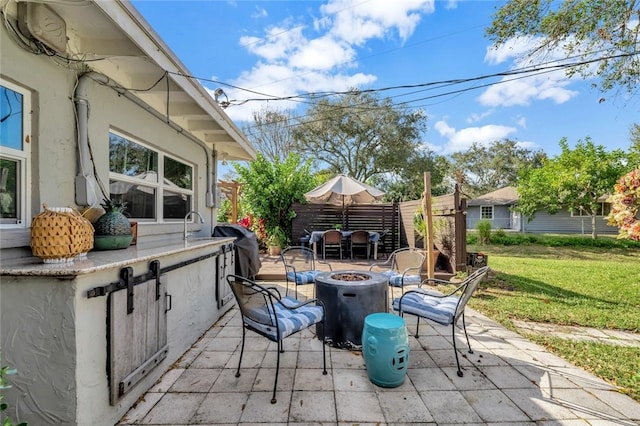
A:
{"x": 395, "y": 279}
{"x": 289, "y": 321}
{"x": 439, "y": 309}
{"x": 303, "y": 277}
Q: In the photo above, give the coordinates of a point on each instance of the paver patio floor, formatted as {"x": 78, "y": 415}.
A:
{"x": 508, "y": 380}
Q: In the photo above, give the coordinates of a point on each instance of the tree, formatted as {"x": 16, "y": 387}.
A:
{"x": 486, "y": 168}
{"x": 585, "y": 29}
{"x": 634, "y": 149}
{"x": 359, "y": 134}
{"x": 408, "y": 183}
{"x": 576, "y": 180}
{"x": 270, "y": 188}
{"x": 271, "y": 134}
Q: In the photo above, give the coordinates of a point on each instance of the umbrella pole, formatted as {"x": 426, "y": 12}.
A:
{"x": 344, "y": 219}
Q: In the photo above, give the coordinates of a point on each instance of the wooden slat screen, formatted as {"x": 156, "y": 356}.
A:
{"x": 369, "y": 217}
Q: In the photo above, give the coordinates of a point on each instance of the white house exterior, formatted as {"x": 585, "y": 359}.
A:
{"x": 81, "y": 80}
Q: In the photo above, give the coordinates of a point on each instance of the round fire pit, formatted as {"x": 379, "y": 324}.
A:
{"x": 348, "y": 297}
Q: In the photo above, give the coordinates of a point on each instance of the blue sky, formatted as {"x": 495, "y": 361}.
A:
{"x": 284, "y": 48}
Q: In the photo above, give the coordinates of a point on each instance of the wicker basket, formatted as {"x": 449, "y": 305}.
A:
{"x": 60, "y": 234}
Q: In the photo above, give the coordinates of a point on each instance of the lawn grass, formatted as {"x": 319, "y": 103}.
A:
{"x": 594, "y": 287}
{"x": 569, "y": 285}
{"x": 617, "y": 364}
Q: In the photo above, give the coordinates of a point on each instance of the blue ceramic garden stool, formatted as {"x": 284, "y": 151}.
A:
{"x": 385, "y": 347}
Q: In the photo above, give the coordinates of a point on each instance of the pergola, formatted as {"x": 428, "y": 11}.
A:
{"x": 232, "y": 191}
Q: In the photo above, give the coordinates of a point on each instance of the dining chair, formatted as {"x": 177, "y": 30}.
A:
{"x": 444, "y": 309}
{"x": 331, "y": 239}
{"x": 300, "y": 266}
{"x": 403, "y": 267}
{"x": 360, "y": 239}
{"x": 265, "y": 312}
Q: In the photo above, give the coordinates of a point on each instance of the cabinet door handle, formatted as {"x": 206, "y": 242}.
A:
{"x": 169, "y": 302}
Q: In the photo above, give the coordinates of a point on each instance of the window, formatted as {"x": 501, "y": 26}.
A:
{"x": 486, "y": 212}
{"x": 153, "y": 184}
{"x": 603, "y": 210}
{"x": 15, "y": 134}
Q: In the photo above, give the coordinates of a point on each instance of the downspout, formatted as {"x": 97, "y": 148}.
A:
{"x": 85, "y": 182}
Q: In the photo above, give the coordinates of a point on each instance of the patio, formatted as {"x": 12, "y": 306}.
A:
{"x": 507, "y": 380}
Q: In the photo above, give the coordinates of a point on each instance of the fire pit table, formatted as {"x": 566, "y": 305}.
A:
{"x": 348, "y": 297}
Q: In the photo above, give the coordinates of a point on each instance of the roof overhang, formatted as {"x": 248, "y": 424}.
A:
{"x": 115, "y": 40}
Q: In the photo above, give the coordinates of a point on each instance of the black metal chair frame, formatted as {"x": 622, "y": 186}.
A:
{"x": 244, "y": 288}
{"x": 292, "y": 257}
{"x": 466, "y": 289}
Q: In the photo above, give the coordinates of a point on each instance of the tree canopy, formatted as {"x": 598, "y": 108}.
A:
{"x": 270, "y": 133}
{"x": 269, "y": 188}
{"x": 408, "y": 182}
{"x": 576, "y": 179}
{"x": 584, "y": 29}
{"x": 482, "y": 169}
{"x": 359, "y": 134}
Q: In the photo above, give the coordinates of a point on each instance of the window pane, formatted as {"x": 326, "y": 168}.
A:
{"x": 140, "y": 199}
{"x": 130, "y": 159}
{"x": 486, "y": 212}
{"x": 9, "y": 189}
{"x": 10, "y": 118}
{"x": 177, "y": 173}
{"x": 175, "y": 205}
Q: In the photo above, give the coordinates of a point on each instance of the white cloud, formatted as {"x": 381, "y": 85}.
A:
{"x": 522, "y": 122}
{"x": 513, "y": 49}
{"x": 279, "y": 43}
{"x": 461, "y": 140}
{"x": 295, "y": 57}
{"x": 260, "y": 13}
{"x": 322, "y": 54}
{"x": 523, "y": 91}
{"x": 358, "y": 22}
{"x": 475, "y": 117}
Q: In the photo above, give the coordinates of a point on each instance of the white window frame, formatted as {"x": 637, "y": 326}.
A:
{"x": 482, "y": 216}
{"x": 584, "y": 213}
{"x": 23, "y": 158}
{"x": 159, "y": 186}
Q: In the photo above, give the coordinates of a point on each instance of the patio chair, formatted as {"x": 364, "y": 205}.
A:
{"x": 402, "y": 267}
{"x": 360, "y": 239}
{"x": 444, "y": 309}
{"x": 331, "y": 239}
{"x": 381, "y": 247}
{"x": 265, "y": 312}
{"x": 300, "y": 266}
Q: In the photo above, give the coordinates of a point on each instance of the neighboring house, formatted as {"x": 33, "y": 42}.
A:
{"x": 497, "y": 208}
{"x": 91, "y": 98}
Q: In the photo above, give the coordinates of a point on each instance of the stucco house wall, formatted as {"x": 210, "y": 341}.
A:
{"x": 52, "y": 330}
{"x": 54, "y": 149}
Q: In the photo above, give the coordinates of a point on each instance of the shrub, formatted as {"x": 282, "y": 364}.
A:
{"x": 484, "y": 231}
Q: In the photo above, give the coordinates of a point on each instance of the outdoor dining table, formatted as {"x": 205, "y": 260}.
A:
{"x": 374, "y": 238}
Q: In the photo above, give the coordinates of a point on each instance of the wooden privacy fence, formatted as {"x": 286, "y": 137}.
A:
{"x": 449, "y": 229}
{"x": 369, "y": 217}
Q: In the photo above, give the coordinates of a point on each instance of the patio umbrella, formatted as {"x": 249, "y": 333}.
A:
{"x": 344, "y": 190}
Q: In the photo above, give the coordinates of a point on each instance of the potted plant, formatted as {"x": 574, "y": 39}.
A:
{"x": 276, "y": 240}
{"x": 420, "y": 227}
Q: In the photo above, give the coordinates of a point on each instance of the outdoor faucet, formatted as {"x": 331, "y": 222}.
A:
{"x": 186, "y": 217}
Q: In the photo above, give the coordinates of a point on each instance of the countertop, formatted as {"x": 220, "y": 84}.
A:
{"x": 108, "y": 259}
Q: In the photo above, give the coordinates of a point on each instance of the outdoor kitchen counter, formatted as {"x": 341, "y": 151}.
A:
{"x": 88, "y": 338}
{"x": 104, "y": 260}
